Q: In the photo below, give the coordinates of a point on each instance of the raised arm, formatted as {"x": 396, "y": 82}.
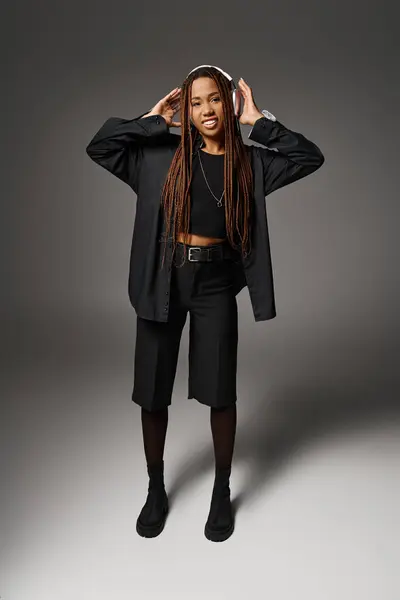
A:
{"x": 288, "y": 155}
{"x": 118, "y": 145}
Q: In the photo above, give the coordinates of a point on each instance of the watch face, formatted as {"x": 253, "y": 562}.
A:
{"x": 268, "y": 115}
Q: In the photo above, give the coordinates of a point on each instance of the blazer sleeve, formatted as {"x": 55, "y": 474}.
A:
{"x": 289, "y": 156}
{"x": 118, "y": 145}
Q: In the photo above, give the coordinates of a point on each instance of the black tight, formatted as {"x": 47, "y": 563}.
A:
{"x": 154, "y": 427}
{"x": 223, "y": 428}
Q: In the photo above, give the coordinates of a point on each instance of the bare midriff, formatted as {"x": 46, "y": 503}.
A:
{"x": 198, "y": 240}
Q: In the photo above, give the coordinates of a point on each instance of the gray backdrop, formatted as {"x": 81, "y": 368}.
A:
{"x": 315, "y": 472}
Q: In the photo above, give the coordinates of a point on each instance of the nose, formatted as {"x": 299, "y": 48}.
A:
{"x": 210, "y": 111}
{"x": 208, "y": 114}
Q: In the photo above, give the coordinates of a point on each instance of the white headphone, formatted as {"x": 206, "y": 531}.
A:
{"x": 237, "y": 98}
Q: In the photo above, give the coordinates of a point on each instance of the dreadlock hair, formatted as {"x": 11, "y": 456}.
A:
{"x": 175, "y": 196}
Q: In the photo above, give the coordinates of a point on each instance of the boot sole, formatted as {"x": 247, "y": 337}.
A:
{"x": 218, "y": 536}
{"x": 150, "y": 531}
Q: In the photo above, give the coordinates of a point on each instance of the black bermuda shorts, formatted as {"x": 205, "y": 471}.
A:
{"x": 205, "y": 291}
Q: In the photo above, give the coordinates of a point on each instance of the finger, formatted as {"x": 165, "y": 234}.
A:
{"x": 244, "y": 84}
{"x": 174, "y": 102}
{"x": 174, "y": 109}
{"x": 242, "y": 88}
{"x": 175, "y": 124}
{"x": 173, "y": 94}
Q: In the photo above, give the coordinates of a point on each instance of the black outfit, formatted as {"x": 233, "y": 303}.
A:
{"x": 207, "y": 290}
{"x": 139, "y": 152}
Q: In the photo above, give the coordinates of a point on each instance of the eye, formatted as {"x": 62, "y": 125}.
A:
{"x": 215, "y": 98}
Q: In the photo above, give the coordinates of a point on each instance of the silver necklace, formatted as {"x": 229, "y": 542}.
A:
{"x": 219, "y": 201}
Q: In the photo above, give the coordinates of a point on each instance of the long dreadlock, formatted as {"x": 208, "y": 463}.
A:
{"x": 175, "y": 196}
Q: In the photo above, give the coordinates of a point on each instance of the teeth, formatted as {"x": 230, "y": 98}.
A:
{"x": 210, "y": 122}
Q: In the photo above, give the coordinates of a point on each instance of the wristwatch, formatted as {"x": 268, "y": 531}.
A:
{"x": 268, "y": 115}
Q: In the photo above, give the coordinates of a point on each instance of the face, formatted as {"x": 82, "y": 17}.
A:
{"x": 206, "y": 104}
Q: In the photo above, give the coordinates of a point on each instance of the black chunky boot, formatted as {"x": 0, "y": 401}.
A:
{"x": 151, "y": 519}
{"x": 220, "y": 522}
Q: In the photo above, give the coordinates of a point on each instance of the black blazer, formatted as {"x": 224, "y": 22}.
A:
{"x": 139, "y": 152}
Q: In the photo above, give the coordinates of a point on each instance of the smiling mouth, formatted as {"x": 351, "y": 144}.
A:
{"x": 210, "y": 123}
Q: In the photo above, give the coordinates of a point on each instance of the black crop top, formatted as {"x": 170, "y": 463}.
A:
{"x": 206, "y": 218}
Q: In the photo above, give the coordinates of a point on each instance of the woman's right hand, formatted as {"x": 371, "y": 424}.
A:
{"x": 167, "y": 107}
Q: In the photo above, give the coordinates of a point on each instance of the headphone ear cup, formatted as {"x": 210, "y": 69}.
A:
{"x": 237, "y": 101}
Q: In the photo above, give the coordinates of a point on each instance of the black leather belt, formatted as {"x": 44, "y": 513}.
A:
{"x": 221, "y": 251}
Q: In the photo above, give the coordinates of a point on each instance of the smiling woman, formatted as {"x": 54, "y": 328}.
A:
{"x": 207, "y": 115}
{"x": 213, "y": 190}
{"x": 206, "y": 95}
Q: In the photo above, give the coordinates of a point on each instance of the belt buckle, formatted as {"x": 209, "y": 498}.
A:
{"x": 190, "y": 255}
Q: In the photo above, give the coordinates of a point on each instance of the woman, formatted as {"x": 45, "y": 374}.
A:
{"x": 200, "y": 235}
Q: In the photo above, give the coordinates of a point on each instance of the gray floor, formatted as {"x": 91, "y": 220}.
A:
{"x": 315, "y": 478}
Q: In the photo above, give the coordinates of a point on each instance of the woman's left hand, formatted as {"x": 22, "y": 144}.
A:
{"x": 250, "y": 112}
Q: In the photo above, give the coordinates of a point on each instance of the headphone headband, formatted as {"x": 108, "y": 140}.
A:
{"x": 223, "y": 72}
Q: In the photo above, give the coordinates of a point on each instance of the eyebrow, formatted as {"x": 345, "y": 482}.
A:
{"x": 198, "y": 97}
